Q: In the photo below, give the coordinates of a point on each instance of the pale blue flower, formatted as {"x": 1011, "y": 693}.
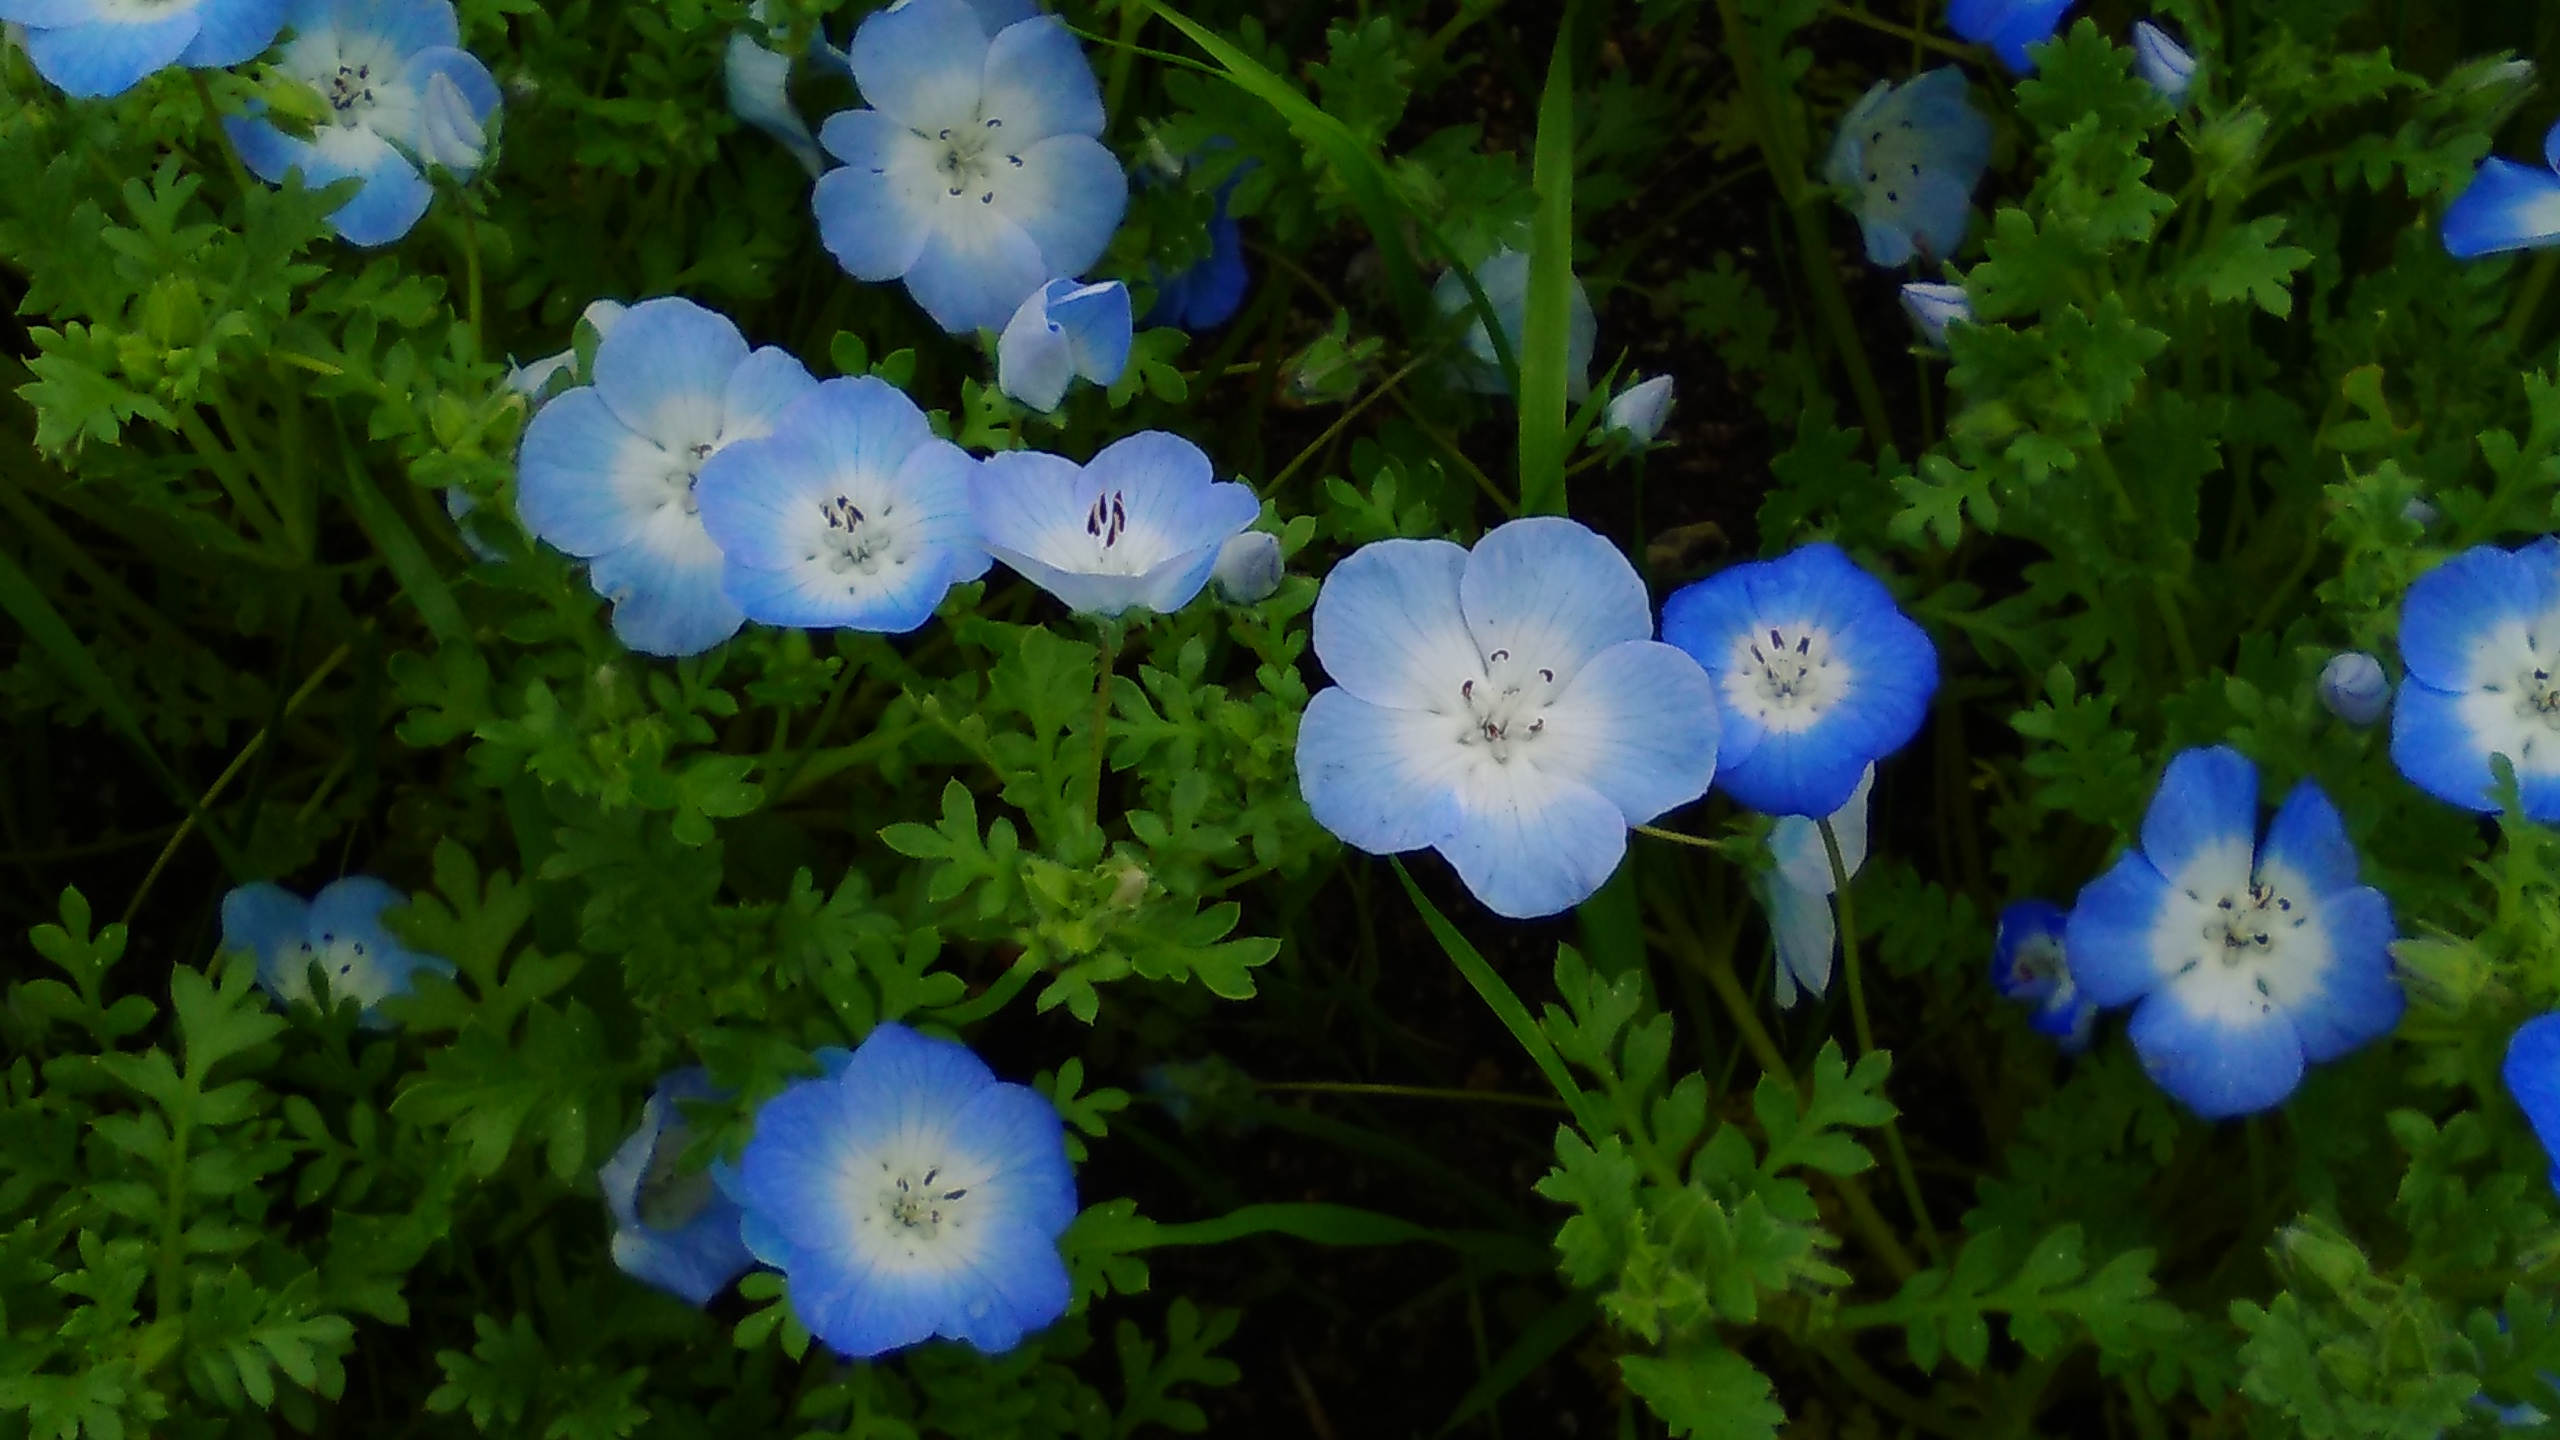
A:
{"x": 1062, "y": 331}
{"x": 1907, "y": 157}
{"x": 2354, "y": 688}
{"x": 1505, "y": 282}
{"x": 1140, "y": 524}
{"x": 98, "y": 48}
{"x": 339, "y": 929}
{"x": 2029, "y": 965}
{"x": 1816, "y": 674}
{"x": 1638, "y": 411}
{"x": 1800, "y": 887}
{"x": 1506, "y": 706}
{"x": 2533, "y": 1076}
{"x": 2249, "y": 959}
{"x": 2007, "y": 26}
{"x": 2162, "y": 61}
{"x": 1249, "y": 567}
{"x": 759, "y": 84}
{"x": 910, "y": 1194}
{"x": 2507, "y": 206}
{"x": 672, "y": 1228}
{"x": 2477, "y": 639}
{"x": 608, "y": 471}
{"x": 977, "y": 176}
{"x": 851, "y": 514}
{"x": 1933, "y": 307}
{"x": 378, "y": 64}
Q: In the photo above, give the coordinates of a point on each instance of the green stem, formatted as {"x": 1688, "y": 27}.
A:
{"x": 1124, "y": 55}
{"x": 1867, "y": 1040}
{"x": 1350, "y": 412}
{"x": 1506, "y": 1007}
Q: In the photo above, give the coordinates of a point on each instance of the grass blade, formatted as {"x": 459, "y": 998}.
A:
{"x": 1506, "y": 1005}
{"x": 1545, "y": 330}
{"x": 417, "y": 574}
{"x": 1561, "y": 1325}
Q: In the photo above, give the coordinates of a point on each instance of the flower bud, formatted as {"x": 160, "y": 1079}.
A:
{"x": 2163, "y": 61}
{"x": 2419, "y": 513}
{"x": 1249, "y": 566}
{"x": 1638, "y": 411}
{"x": 759, "y": 85}
{"x": 448, "y": 133}
{"x": 1933, "y": 307}
{"x": 1062, "y": 331}
{"x": 2354, "y": 688}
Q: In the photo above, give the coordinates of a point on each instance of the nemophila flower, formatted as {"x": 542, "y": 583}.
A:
{"x": 1800, "y": 890}
{"x": 1506, "y": 706}
{"x": 2007, "y": 26}
{"x": 1505, "y": 282}
{"x": 2249, "y": 959}
{"x": 2162, "y": 61}
{"x": 2354, "y": 688}
{"x": 1908, "y": 157}
{"x": 609, "y": 471}
{"x": 1062, "y": 331}
{"x": 2478, "y": 637}
{"x": 1140, "y": 524}
{"x": 97, "y": 48}
{"x": 2507, "y": 206}
{"x": 1205, "y": 295}
{"x": 911, "y": 1194}
{"x": 2029, "y": 966}
{"x": 672, "y": 1228}
{"x": 1249, "y": 567}
{"x": 977, "y": 176}
{"x": 1933, "y": 307}
{"x": 339, "y": 929}
{"x": 758, "y": 81}
{"x": 401, "y": 95}
{"x": 1817, "y": 676}
{"x": 2533, "y": 1077}
{"x": 851, "y": 514}
{"x": 1638, "y": 411}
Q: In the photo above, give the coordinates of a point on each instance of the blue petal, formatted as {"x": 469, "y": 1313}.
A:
{"x": 665, "y": 370}
{"x": 2028, "y": 951}
{"x": 765, "y": 384}
{"x": 1068, "y": 195}
{"x": 1637, "y": 724}
{"x": 2452, "y": 609}
{"x": 2109, "y": 942}
{"x": 694, "y": 1263}
{"x": 2506, "y": 206}
{"x": 2007, "y": 26}
{"x": 584, "y": 481}
{"x": 1018, "y": 1283}
{"x": 1388, "y": 627}
{"x": 1805, "y": 772}
{"x": 2357, "y": 1000}
{"x": 1038, "y": 84}
{"x": 2218, "y": 1065}
{"x": 1034, "y": 361}
{"x": 273, "y": 925}
{"x": 1205, "y": 296}
{"x": 1703, "y": 618}
{"x": 109, "y": 57}
{"x": 1020, "y": 1139}
{"x": 2205, "y": 814}
{"x": 1530, "y": 844}
{"x": 460, "y": 66}
{"x": 839, "y": 435}
{"x": 1097, "y": 324}
{"x": 1553, "y": 592}
{"x": 393, "y": 194}
{"x": 758, "y": 82}
{"x": 860, "y": 1314}
{"x": 402, "y": 27}
{"x": 351, "y": 908}
{"x": 268, "y": 151}
{"x": 2551, "y": 150}
{"x": 1504, "y": 279}
{"x": 874, "y": 213}
{"x": 2434, "y": 744}
{"x": 233, "y": 31}
{"x": 49, "y": 14}
{"x": 2309, "y": 839}
{"x": 896, "y": 1072}
{"x": 2533, "y": 1076}
{"x": 923, "y": 64}
{"x": 665, "y": 588}
{"x": 1806, "y": 935}
{"x": 972, "y": 276}
{"x": 1384, "y": 781}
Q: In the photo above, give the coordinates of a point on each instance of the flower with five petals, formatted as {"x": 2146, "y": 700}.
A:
{"x": 1140, "y": 524}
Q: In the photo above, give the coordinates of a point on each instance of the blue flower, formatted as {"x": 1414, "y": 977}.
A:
{"x": 2533, "y": 1077}
{"x": 1506, "y": 706}
{"x": 97, "y": 48}
{"x": 2250, "y": 960}
{"x": 1140, "y": 524}
{"x": 1638, "y": 411}
{"x": 911, "y": 1194}
{"x": 1249, "y": 567}
{"x": 2007, "y": 26}
{"x": 850, "y": 514}
{"x": 608, "y": 471}
{"x": 2029, "y": 966}
{"x": 1933, "y": 307}
{"x": 2477, "y": 634}
{"x": 976, "y": 177}
{"x": 1908, "y": 157}
{"x": 672, "y": 1229}
{"x": 1816, "y": 674}
{"x": 400, "y": 95}
{"x": 2163, "y": 61}
{"x": 2507, "y": 206}
{"x": 2354, "y": 688}
{"x": 1064, "y": 330}
{"x": 1800, "y": 890}
{"x": 1206, "y": 295}
{"x": 340, "y": 929}
{"x": 1505, "y": 282}
{"x": 759, "y": 84}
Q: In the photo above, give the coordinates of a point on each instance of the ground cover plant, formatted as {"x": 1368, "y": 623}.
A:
{"x": 1700, "y": 718}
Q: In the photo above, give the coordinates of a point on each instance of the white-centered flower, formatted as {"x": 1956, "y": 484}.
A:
{"x": 1140, "y": 524}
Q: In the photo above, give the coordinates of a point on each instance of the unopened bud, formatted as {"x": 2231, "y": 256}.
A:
{"x": 1248, "y": 567}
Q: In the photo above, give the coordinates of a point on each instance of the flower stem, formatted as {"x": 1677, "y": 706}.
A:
{"x": 1867, "y": 1040}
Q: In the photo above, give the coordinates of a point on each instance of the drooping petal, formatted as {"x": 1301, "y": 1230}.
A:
{"x": 1038, "y": 84}
{"x": 1530, "y": 844}
{"x": 1206, "y": 296}
{"x": 693, "y": 1255}
{"x": 665, "y": 371}
{"x": 1553, "y": 592}
{"x": 2356, "y": 1000}
{"x": 665, "y": 587}
{"x": 1067, "y": 195}
{"x": 1384, "y": 781}
{"x": 2220, "y": 1064}
{"x": 585, "y": 481}
{"x": 875, "y": 212}
{"x": 111, "y": 52}
{"x": 475, "y": 92}
{"x": 975, "y": 268}
{"x": 2506, "y": 206}
{"x": 1388, "y": 627}
{"x": 923, "y": 63}
{"x": 758, "y": 82}
{"x": 2201, "y": 831}
{"x": 2028, "y": 952}
{"x": 1637, "y": 724}
{"x": 1804, "y": 862}
{"x": 1806, "y": 934}
{"x": 2110, "y": 941}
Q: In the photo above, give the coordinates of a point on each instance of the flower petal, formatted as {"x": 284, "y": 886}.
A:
{"x": 875, "y": 213}
{"x": 2532, "y": 1072}
{"x": 1389, "y": 629}
{"x": 1382, "y": 780}
{"x": 394, "y": 196}
{"x": 1637, "y": 724}
{"x": 758, "y": 82}
{"x": 923, "y": 63}
{"x": 2355, "y": 1000}
{"x": 233, "y": 31}
{"x": 2472, "y": 612}
{"x": 2218, "y": 1064}
{"x": 2506, "y": 206}
{"x": 2201, "y": 831}
{"x": 2110, "y": 941}
{"x": 1034, "y": 360}
{"x": 1068, "y": 195}
{"x": 106, "y": 57}
{"x": 273, "y": 925}
{"x": 1098, "y": 328}
{"x": 1806, "y": 934}
{"x": 2309, "y": 840}
{"x": 665, "y": 587}
{"x": 975, "y": 268}
{"x": 1553, "y": 592}
{"x": 1530, "y": 844}
{"x": 585, "y": 481}
{"x": 759, "y": 390}
{"x": 665, "y": 370}
{"x": 1038, "y": 84}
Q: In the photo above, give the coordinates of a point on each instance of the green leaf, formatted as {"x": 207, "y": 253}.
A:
{"x": 1705, "y": 1393}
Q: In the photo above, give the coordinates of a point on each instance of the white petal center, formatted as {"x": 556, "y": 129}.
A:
{"x": 1786, "y": 676}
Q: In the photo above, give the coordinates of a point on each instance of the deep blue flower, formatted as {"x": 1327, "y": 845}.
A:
{"x": 851, "y": 514}
{"x": 2029, "y": 965}
{"x": 1638, "y": 411}
{"x": 1800, "y": 890}
{"x": 97, "y": 48}
{"x": 1140, "y": 524}
{"x": 401, "y": 95}
{"x": 1908, "y": 157}
{"x": 2533, "y": 1077}
{"x": 1816, "y": 674}
{"x": 1933, "y": 307}
{"x": 2250, "y": 960}
{"x": 759, "y": 84}
{"x": 2007, "y": 26}
{"x": 1205, "y": 296}
{"x": 2507, "y": 206}
{"x": 608, "y": 471}
{"x": 1249, "y": 567}
{"x": 1505, "y": 282}
{"x": 1506, "y": 706}
{"x": 1064, "y": 330}
{"x": 2354, "y": 688}
{"x": 671, "y": 1228}
{"x": 977, "y": 176}
{"x": 2163, "y": 61}
{"x": 911, "y": 1194}
{"x": 340, "y": 929}
{"x": 2477, "y": 634}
